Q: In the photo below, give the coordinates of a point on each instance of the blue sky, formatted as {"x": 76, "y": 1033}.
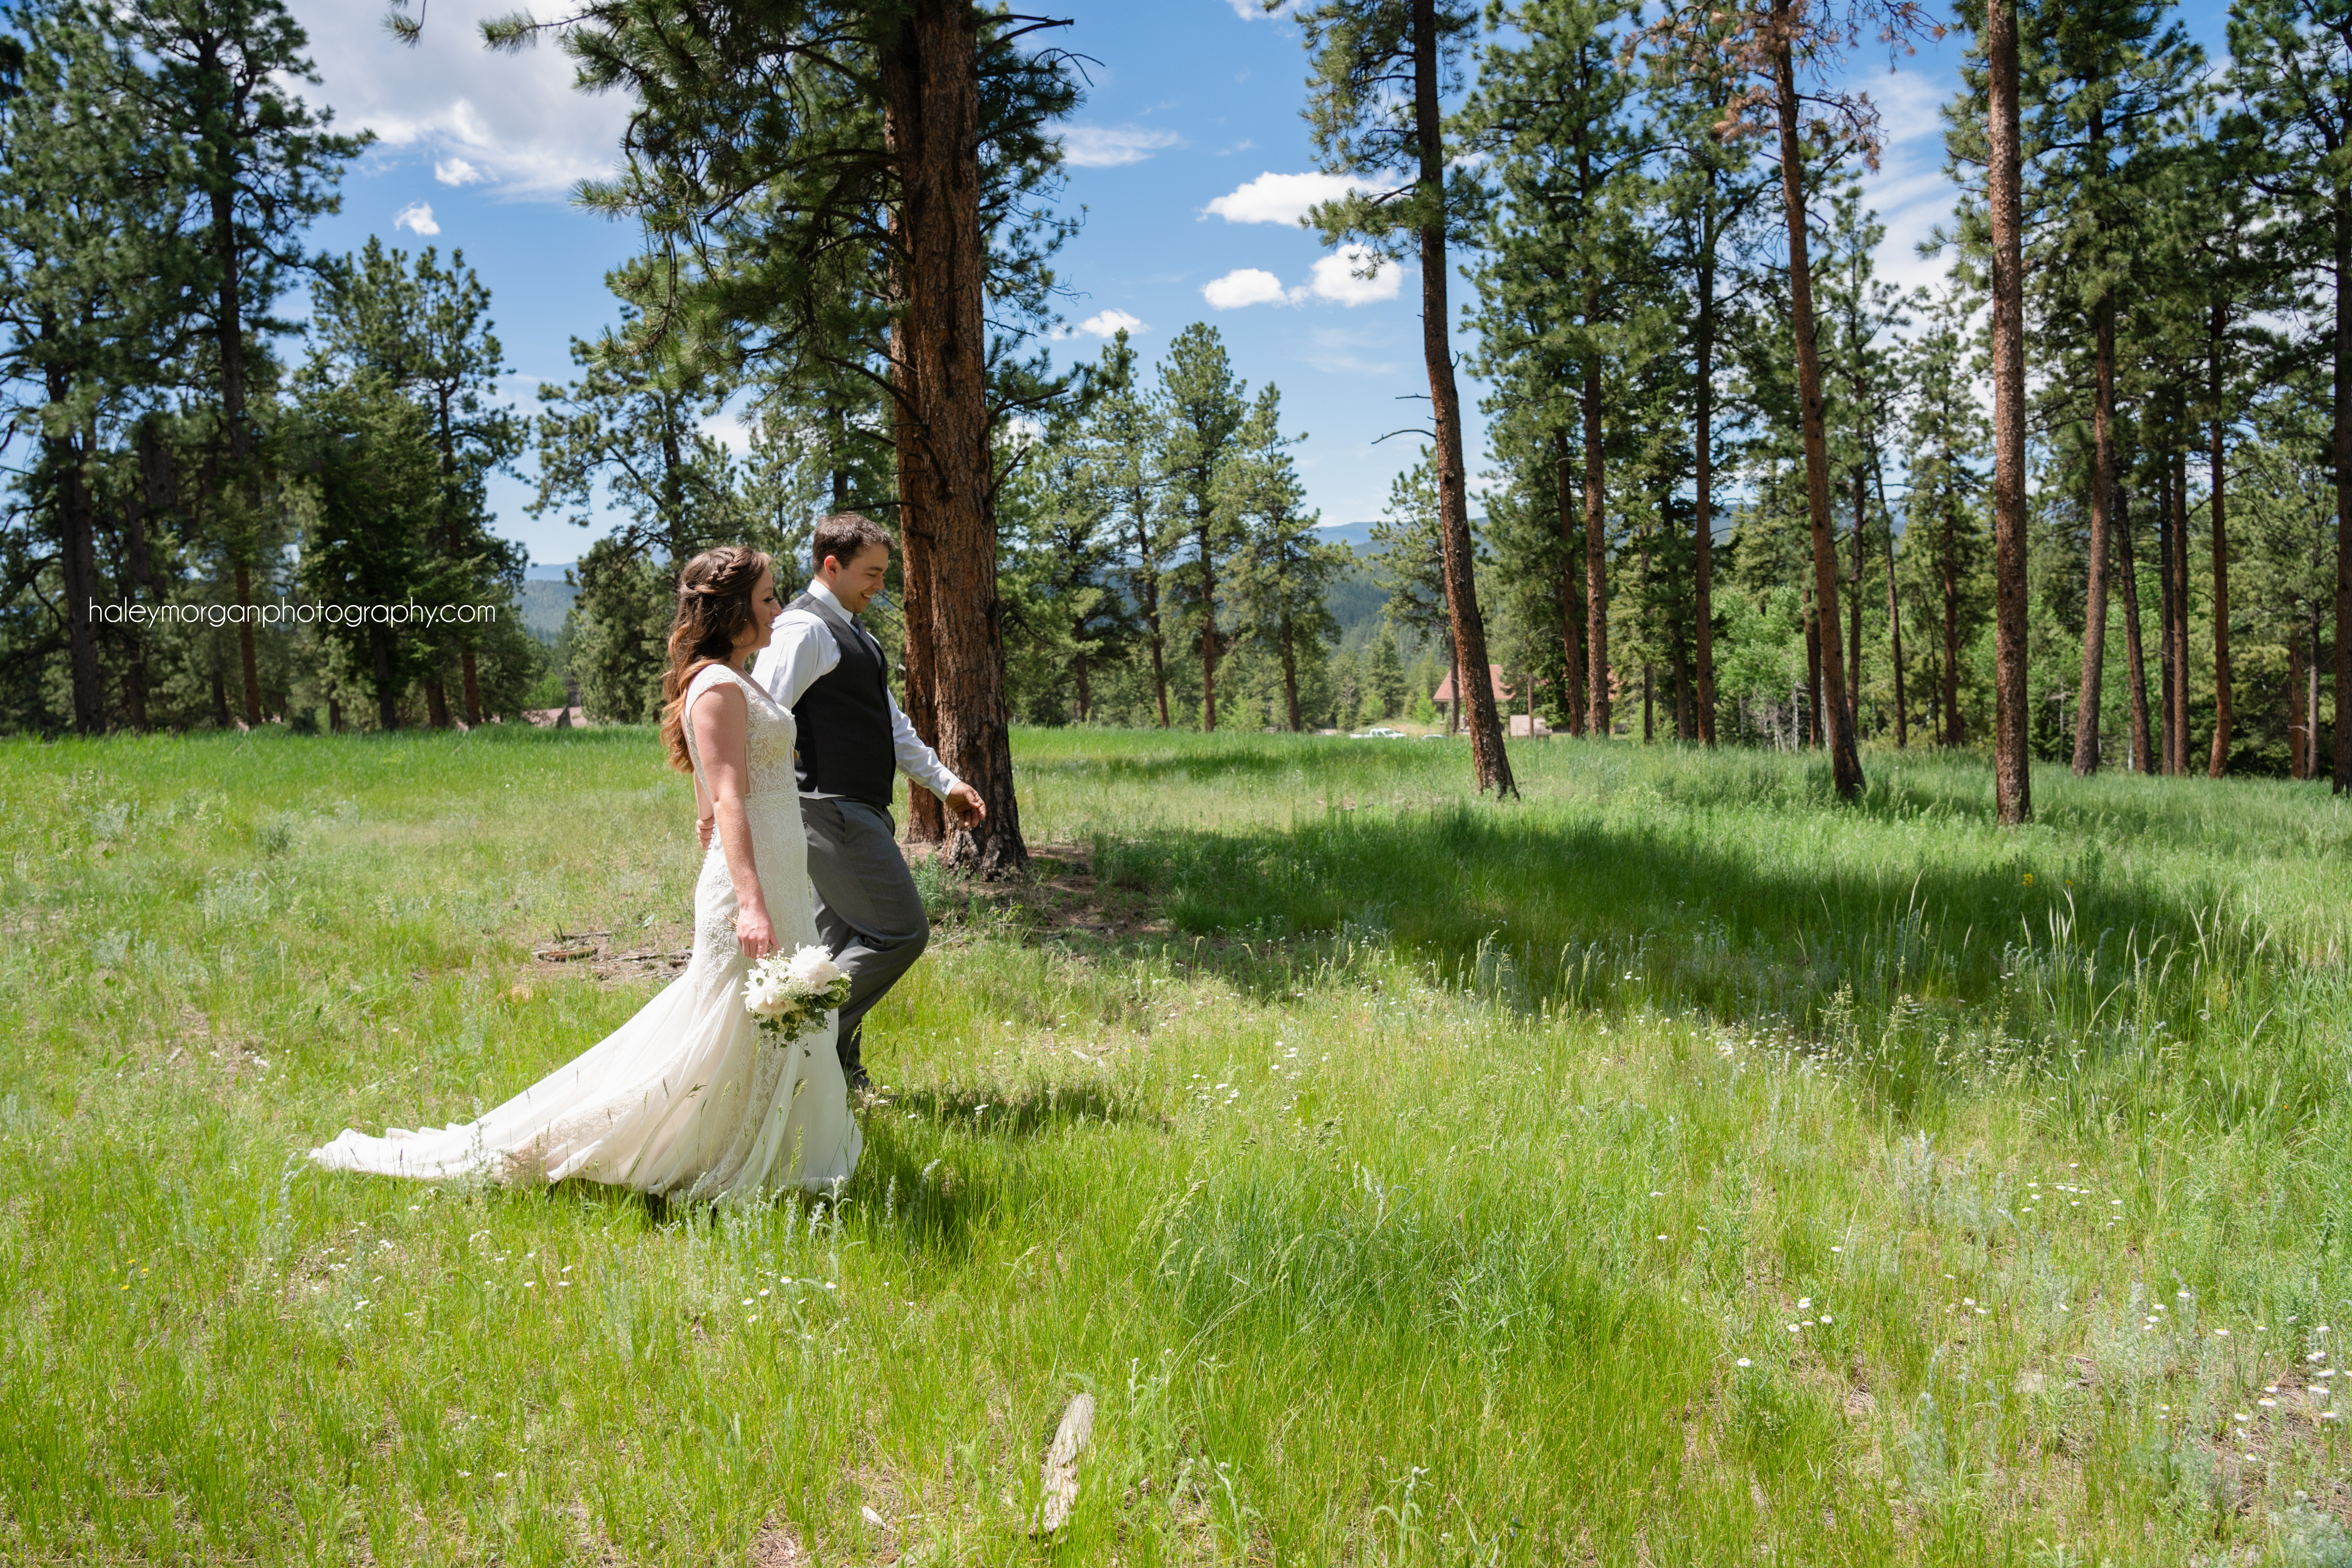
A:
{"x": 1189, "y": 157}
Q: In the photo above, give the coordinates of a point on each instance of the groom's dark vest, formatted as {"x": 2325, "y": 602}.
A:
{"x": 843, "y": 718}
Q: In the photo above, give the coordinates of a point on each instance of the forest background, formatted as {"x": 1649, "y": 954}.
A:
{"x": 1645, "y": 555}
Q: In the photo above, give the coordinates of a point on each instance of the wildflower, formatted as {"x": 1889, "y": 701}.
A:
{"x": 1743, "y": 1361}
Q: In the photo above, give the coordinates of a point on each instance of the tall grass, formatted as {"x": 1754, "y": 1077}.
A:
{"x": 1668, "y": 1166}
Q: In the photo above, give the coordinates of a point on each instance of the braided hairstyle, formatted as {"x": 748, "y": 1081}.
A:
{"x": 714, "y": 605}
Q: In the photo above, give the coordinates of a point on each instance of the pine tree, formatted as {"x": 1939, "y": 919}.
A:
{"x": 427, "y": 332}
{"x": 1200, "y": 410}
{"x": 1562, "y": 289}
{"x": 1380, "y": 68}
{"x": 1284, "y": 573}
{"x": 1944, "y": 438}
{"x": 85, "y": 215}
{"x": 261, "y": 166}
{"x": 2291, "y": 62}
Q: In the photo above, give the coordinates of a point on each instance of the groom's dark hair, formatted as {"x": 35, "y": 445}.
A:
{"x": 845, "y": 536}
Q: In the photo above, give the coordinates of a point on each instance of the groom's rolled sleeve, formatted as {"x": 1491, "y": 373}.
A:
{"x": 916, "y": 760}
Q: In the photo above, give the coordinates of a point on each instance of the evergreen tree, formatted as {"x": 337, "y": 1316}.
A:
{"x": 1944, "y": 440}
{"x": 2291, "y": 62}
{"x": 86, "y": 208}
{"x": 425, "y": 332}
{"x": 1200, "y": 410}
{"x": 1562, "y": 289}
{"x": 214, "y": 85}
{"x": 1122, "y": 438}
{"x": 1380, "y": 66}
{"x": 1284, "y": 573}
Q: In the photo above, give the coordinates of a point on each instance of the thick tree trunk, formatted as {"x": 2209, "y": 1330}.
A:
{"x": 1491, "y": 765}
{"x": 1845, "y": 760}
{"x": 2089, "y": 697}
{"x": 2143, "y": 753}
{"x": 932, "y": 86}
{"x": 436, "y": 702}
{"x": 1703, "y": 474}
{"x": 1596, "y": 564}
{"x": 2012, "y": 776}
{"x": 2180, "y": 608}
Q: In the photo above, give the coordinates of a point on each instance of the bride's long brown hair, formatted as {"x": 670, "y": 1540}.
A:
{"x": 714, "y": 605}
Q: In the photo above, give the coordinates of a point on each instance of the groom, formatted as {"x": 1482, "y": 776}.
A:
{"x": 827, "y": 669}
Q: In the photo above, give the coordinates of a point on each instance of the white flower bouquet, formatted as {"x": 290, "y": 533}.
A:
{"x": 789, "y": 997}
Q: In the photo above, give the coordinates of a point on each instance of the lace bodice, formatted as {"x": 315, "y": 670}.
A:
{"x": 768, "y": 736}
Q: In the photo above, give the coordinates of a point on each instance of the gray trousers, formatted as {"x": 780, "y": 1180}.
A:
{"x": 868, "y": 914}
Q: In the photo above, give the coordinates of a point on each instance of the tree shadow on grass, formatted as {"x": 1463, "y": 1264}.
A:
{"x": 1776, "y": 923}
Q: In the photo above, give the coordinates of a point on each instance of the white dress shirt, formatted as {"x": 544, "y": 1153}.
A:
{"x": 801, "y": 651}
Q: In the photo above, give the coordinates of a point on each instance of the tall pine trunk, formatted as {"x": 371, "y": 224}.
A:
{"x": 2143, "y": 753}
{"x": 1491, "y": 765}
{"x": 1571, "y": 611}
{"x": 2343, "y": 771}
{"x": 1845, "y": 761}
{"x": 1208, "y": 625}
{"x": 1950, "y": 563}
{"x": 2088, "y": 698}
{"x": 927, "y": 820}
{"x": 2219, "y": 761}
{"x": 1853, "y": 607}
{"x": 1291, "y": 670}
{"x": 2168, "y": 610}
{"x": 1596, "y": 564}
{"x": 77, "y": 545}
{"x": 1703, "y": 474}
{"x": 931, "y": 85}
{"x": 2012, "y": 763}
{"x": 1894, "y": 620}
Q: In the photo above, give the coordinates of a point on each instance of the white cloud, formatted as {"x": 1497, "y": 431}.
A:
{"x": 1243, "y": 286}
{"x": 1281, "y": 198}
{"x": 417, "y": 219}
{"x": 457, "y": 172}
{"x": 1110, "y": 323}
{"x": 1112, "y": 146}
{"x": 1336, "y": 279}
{"x": 515, "y": 120}
{"x": 728, "y": 428}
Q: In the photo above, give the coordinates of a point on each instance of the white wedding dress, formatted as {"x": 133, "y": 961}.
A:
{"x": 688, "y": 1098}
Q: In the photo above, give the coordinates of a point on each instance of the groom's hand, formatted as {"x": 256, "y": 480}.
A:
{"x": 703, "y": 827}
{"x": 965, "y": 806}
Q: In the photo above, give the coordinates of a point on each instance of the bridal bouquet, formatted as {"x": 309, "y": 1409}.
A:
{"x": 789, "y": 997}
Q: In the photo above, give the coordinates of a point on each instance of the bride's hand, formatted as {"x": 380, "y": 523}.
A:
{"x": 754, "y": 933}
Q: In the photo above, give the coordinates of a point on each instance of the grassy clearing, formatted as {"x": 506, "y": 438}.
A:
{"x": 1670, "y": 1167}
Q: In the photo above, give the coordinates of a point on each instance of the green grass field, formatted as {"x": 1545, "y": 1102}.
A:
{"x": 1671, "y": 1167}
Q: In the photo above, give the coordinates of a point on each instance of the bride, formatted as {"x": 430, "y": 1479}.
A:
{"x": 689, "y": 1097}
